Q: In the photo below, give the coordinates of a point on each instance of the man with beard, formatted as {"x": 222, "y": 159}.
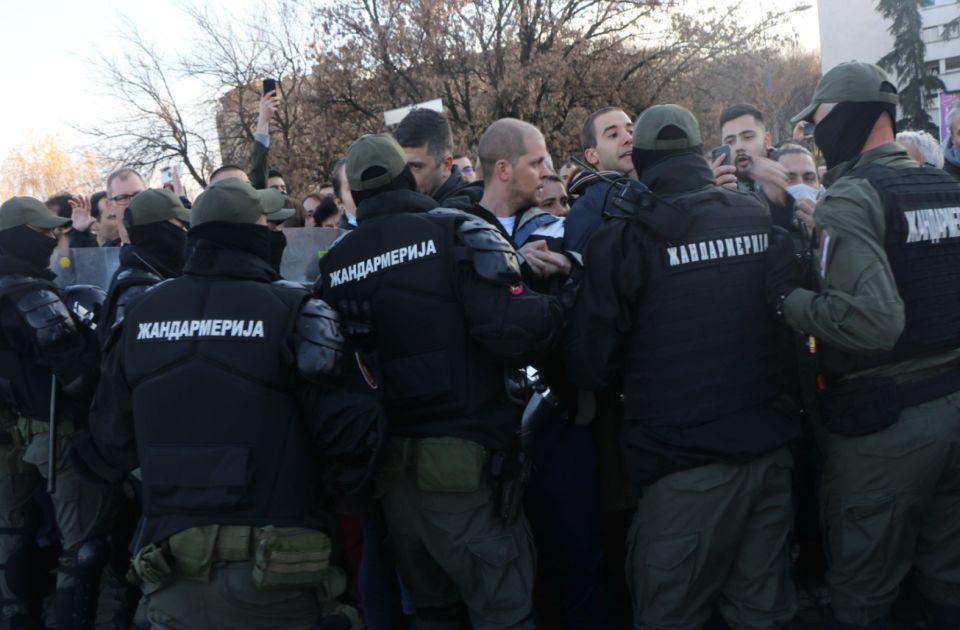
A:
{"x": 888, "y": 325}
{"x": 157, "y": 224}
{"x": 742, "y": 127}
{"x": 48, "y": 368}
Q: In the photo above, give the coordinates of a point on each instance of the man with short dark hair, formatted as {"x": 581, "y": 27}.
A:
{"x": 427, "y": 142}
{"x": 275, "y": 181}
{"x": 743, "y": 129}
{"x": 605, "y": 140}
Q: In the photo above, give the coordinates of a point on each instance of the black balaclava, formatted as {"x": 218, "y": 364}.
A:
{"x": 251, "y": 238}
{"x": 278, "y": 242}
{"x": 164, "y": 243}
{"x": 843, "y": 132}
{"x": 28, "y": 246}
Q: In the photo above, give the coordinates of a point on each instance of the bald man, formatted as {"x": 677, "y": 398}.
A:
{"x": 513, "y": 156}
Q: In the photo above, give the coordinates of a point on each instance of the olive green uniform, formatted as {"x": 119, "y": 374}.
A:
{"x": 451, "y": 545}
{"x": 890, "y": 499}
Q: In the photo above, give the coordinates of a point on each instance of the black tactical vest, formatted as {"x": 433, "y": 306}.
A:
{"x": 436, "y": 380}
{"x": 922, "y": 242}
{"x": 220, "y": 436}
{"x": 701, "y": 364}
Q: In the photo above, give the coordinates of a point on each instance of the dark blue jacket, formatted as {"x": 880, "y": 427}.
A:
{"x": 586, "y": 212}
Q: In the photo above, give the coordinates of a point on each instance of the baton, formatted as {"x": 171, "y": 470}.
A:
{"x": 52, "y": 434}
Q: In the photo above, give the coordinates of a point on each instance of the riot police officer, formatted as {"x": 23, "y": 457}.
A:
{"x": 673, "y": 306}
{"x": 156, "y": 222}
{"x": 48, "y": 368}
{"x": 888, "y": 327}
{"x": 443, "y": 301}
{"x": 216, "y": 386}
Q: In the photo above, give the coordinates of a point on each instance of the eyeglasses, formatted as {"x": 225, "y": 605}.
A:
{"x": 124, "y": 199}
{"x": 467, "y": 170}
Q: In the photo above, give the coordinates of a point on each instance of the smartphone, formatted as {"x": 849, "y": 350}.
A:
{"x": 269, "y": 85}
{"x": 723, "y": 149}
{"x": 809, "y": 128}
{"x": 166, "y": 175}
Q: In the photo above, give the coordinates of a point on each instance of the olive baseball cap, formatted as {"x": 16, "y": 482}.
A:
{"x": 153, "y": 206}
{"x": 851, "y": 82}
{"x": 654, "y": 120}
{"x": 371, "y": 151}
{"x": 230, "y": 199}
{"x": 273, "y": 202}
{"x": 18, "y": 211}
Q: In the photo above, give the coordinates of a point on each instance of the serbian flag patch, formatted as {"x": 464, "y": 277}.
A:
{"x": 824, "y": 252}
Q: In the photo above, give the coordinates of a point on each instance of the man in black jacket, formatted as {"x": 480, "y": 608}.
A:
{"x": 218, "y": 386}
{"x": 673, "y": 307}
{"x": 427, "y": 142}
{"x": 444, "y": 311}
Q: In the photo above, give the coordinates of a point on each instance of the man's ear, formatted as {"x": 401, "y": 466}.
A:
{"x": 447, "y": 163}
{"x": 767, "y": 139}
{"x": 590, "y": 155}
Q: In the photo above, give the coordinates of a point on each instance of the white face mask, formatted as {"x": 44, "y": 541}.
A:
{"x": 802, "y": 191}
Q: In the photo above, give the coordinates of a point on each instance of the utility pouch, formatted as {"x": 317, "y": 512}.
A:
{"x": 192, "y": 551}
{"x": 152, "y": 565}
{"x": 290, "y": 558}
{"x": 449, "y": 464}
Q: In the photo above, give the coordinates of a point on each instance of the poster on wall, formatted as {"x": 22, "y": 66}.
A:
{"x": 946, "y": 102}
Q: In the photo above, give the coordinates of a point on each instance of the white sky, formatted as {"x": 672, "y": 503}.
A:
{"x": 49, "y": 47}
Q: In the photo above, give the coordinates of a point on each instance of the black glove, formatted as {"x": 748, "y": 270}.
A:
{"x": 781, "y": 268}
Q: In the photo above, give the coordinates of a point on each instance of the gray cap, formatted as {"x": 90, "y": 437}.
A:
{"x": 273, "y": 202}
{"x": 654, "y": 119}
{"x": 850, "y": 82}
{"x": 370, "y": 151}
{"x": 230, "y": 199}
{"x": 153, "y": 206}
{"x": 18, "y": 211}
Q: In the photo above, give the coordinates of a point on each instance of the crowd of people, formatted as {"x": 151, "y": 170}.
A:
{"x": 656, "y": 386}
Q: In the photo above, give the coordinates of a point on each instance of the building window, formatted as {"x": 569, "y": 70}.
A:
{"x": 933, "y": 67}
{"x": 930, "y": 34}
{"x": 951, "y": 63}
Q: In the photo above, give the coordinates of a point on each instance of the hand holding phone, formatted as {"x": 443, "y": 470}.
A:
{"x": 724, "y": 150}
{"x": 269, "y": 85}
